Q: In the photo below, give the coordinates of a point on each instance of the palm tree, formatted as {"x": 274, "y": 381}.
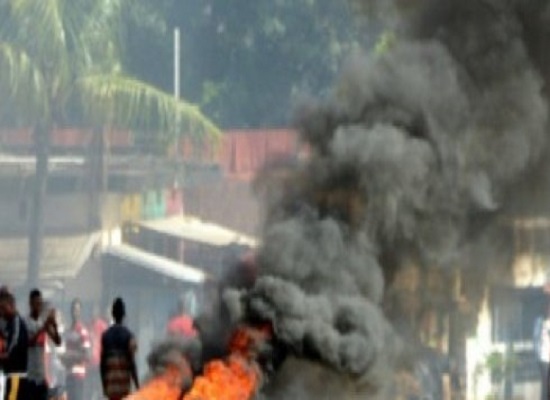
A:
{"x": 60, "y": 58}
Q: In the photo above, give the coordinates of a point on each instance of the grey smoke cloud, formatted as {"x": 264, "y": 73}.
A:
{"x": 173, "y": 352}
{"x": 428, "y": 136}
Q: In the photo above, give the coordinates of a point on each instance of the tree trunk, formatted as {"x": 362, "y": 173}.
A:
{"x": 36, "y": 223}
{"x": 97, "y": 184}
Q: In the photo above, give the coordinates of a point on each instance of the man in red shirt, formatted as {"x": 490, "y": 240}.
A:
{"x": 98, "y": 327}
{"x": 182, "y": 324}
{"x": 77, "y": 354}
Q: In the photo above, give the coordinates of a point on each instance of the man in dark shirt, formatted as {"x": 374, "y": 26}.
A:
{"x": 14, "y": 357}
{"x": 117, "y": 360}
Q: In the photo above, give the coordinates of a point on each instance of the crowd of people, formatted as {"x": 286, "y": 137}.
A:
{"x": 41, "y": 359}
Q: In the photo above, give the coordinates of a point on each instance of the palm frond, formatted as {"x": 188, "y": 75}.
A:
{"x": 95, "y": 36}
{"x": 23, "y": 82}
{"x": 42, "y": 32}
{"x": 122, "y": 101}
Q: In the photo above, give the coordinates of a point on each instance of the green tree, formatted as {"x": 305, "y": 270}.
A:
{"x": 59, "y": 63}
{"x": 246, "y": 61}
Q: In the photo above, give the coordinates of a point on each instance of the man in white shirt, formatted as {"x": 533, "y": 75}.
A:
{"x": 542, "y": 348}
{"x": 39, "y": 328}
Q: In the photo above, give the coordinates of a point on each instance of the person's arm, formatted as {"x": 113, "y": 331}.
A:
{"x": 52, "y": 329}
{"x": 2, "y": 347}
{"x": 49, "y": 327}
{"x": 54, "y": 335}
{"x": 132, "y": 348}
{"x": 16, "y": 338}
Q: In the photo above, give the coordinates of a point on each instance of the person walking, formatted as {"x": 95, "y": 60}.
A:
{"x": 98, "y": 327}
{"x": 39, "y": 328}
{"x": 117, "y": 361}
{"x": 542, "y": 346}
{"x": 13, "y": 359}
{"x": 77, "y": 353}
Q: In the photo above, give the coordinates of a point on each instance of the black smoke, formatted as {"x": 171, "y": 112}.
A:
{"x": 414, "y": 153}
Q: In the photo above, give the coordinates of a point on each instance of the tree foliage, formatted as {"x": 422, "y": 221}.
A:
{"x": 61, "y": 65}
{"x": 245, "y": 61}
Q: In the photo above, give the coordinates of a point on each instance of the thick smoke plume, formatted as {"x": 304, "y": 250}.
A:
{"x": 414, "y": 148}
{"x": 172, "y": 353}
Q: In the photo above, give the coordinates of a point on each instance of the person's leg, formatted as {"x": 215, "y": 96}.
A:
{"x": 70, "y": 388}
{"x": 13, "y": 388}
{"x": 546, "y": 381}
{"x": 58, "y": 393}
{"x": 98, "y": 387}
{"x": 3, "y": 384}
{"x": 32, "y": 390}
{"x": 23, "y": 393}
{"x": 7, "y": 388}
{"x": 91, "y": 385}
{"x": 38, "y": 391}
{"x": 79, "y": 389}
{"x": 543, "y": 380}
{"x": 42, "y": 391}
{"x": 17, "y": 389}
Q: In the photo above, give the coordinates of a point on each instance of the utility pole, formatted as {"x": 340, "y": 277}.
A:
{"x": 177, "y": 76}
{"x": 177, "y": 134}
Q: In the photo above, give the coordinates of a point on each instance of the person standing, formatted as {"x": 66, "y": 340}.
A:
{"x": 77, "y": 353}
{"x": 55, "y": 370}
{"x": 98, "y": 326}
{"x": 13, "y": 360}
{"x": 117, "y": 362}
{"x": 542, "y": 347}
{"x": 39, "y": 328}
{"x": 181, "y": 325}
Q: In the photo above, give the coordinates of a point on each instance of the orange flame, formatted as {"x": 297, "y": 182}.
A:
{"x": 238, "y": 377}
{"x": 164, "y": 387}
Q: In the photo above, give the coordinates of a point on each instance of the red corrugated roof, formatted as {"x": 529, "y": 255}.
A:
{"x": 241, "y": 153}
{"x": 64, "y": 137}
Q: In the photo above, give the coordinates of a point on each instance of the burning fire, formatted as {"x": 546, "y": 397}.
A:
{"x": 238, "y": 377}
{"x": 234, "y": 379}
{"x": 165, "y": 387}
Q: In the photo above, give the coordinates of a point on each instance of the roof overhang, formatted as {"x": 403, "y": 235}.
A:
{"x": 62, "y": 257}
{"x": 157, "y": 264}
{"x": 196, "y": 230}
